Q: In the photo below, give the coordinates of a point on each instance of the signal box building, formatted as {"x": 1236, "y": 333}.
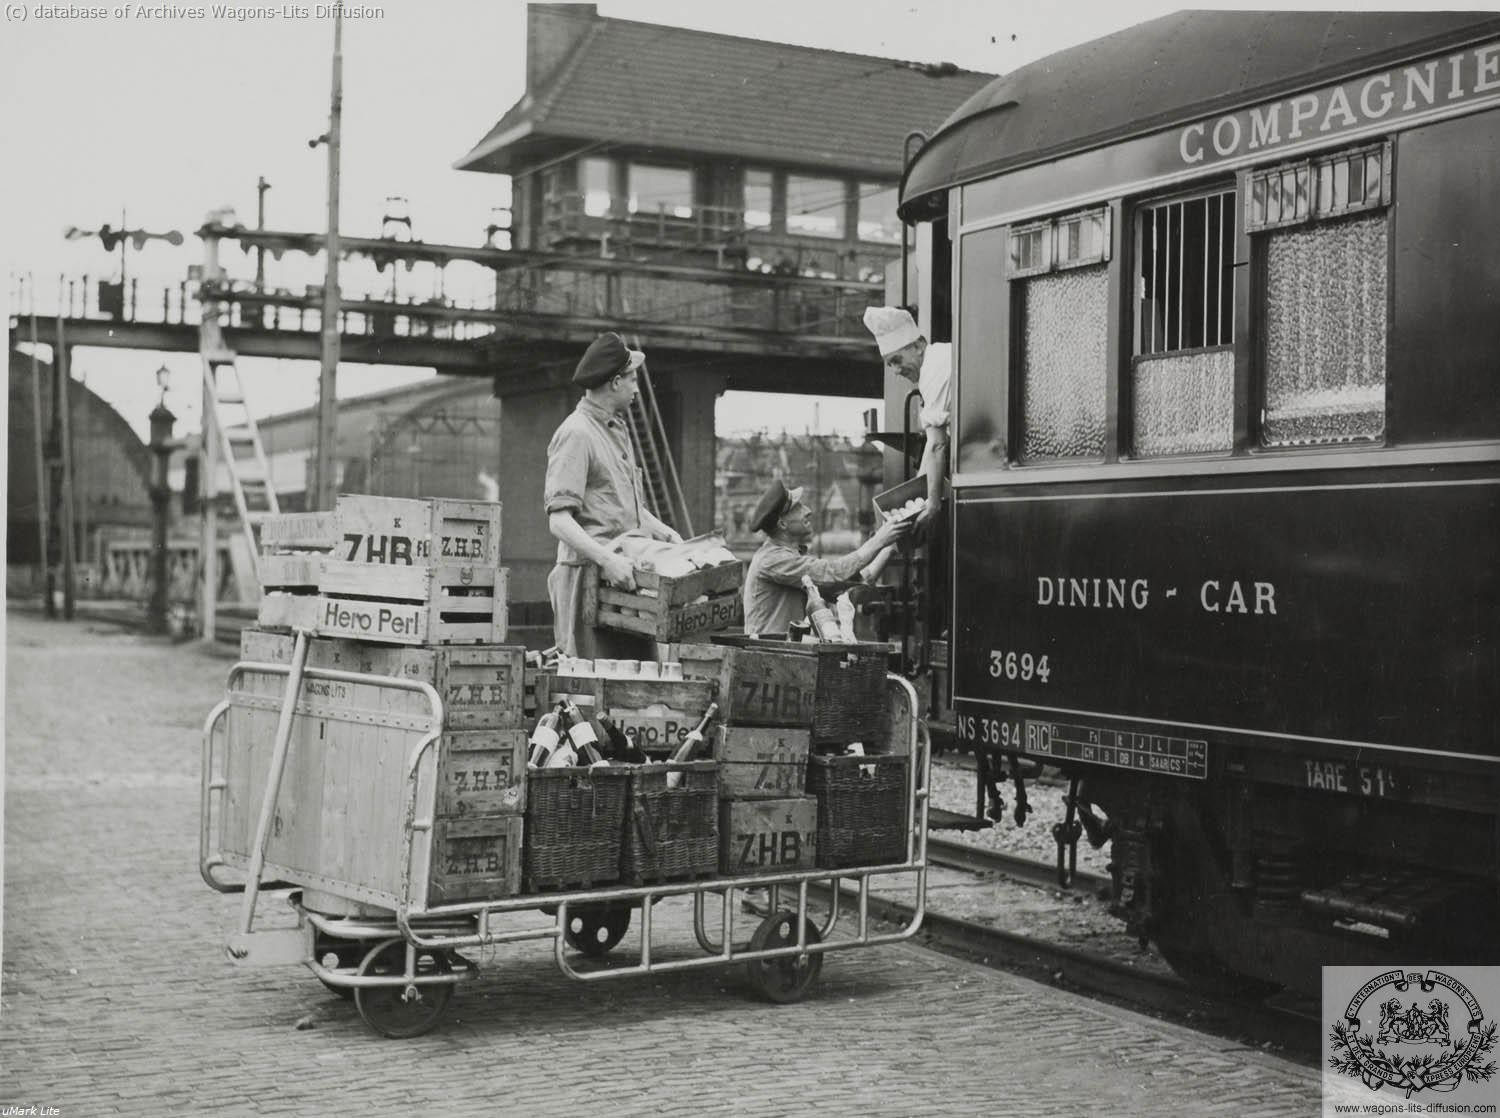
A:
{"x": 674, "y": 147}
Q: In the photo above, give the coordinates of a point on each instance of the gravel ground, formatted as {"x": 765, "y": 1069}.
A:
{"x": 953, "y": 789}
{"x": 1073, "y": 918}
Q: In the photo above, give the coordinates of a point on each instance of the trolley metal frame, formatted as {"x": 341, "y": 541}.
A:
{"x": 446, "y": 928}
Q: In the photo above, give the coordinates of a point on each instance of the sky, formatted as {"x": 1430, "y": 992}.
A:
{"x": 162, "y": 118}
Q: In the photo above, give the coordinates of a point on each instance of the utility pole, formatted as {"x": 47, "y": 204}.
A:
{"x": 261, "y": 186}
{"x": 328, "y": 375}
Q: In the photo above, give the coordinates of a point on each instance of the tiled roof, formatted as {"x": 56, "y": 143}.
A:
{"x": 669, "y": 88}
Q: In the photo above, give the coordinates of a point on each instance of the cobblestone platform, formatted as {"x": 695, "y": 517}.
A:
{"x": 116, "y": 996}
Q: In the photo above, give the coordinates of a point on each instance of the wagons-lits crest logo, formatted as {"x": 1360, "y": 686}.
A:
{"x": 1412, "y": 1048}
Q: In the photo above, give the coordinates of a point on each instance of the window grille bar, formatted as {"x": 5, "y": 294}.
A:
{"x": 1181, "y": 250}
{"x": 1206, "y": 272}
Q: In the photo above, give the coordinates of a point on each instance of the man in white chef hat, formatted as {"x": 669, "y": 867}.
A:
{"x": 928, "y": 365}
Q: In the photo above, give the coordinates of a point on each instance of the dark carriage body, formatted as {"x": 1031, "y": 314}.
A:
{"x": 1226, "y": 516}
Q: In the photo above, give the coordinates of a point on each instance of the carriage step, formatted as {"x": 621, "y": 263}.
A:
{"x": 1399, "y": 900}
{"x": 939, "y": 819}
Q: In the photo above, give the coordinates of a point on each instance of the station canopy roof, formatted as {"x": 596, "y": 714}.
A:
{"x": 644, "y": 86}
{"x": 1181, "y": 67}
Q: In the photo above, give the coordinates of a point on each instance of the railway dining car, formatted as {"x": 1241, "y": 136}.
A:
{"x": 1225, "y": 299}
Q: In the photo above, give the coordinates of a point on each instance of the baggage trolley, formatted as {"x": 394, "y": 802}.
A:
{"x": 399, "y": 962}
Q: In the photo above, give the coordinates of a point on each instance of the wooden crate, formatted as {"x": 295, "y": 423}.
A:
{"x": 340, "y": 810}
{"x": 475, "y": 858}
{"x": 480, "y": 686}
{"x": 761, "y": 762}
{"x": 838, "y": 691}
{"x": 482, "y": 772}
{"x": 665, "y": 608}
{"x": 440, "y": 604}
{"x": 399, "y": 531}
{"x": 765, "y": 836}
{"x": 655, "y": 713}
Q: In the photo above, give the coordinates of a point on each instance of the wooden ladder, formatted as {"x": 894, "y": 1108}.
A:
{"x": 649, "y": 436}
{"x": 239, "y": 441}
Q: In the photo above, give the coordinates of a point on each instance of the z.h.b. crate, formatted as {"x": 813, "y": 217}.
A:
{"x": 838, "y": 691}
{"x": 862, "y": 809}
{"x": 671, "y": 833}
{"x": 575, "y": 825}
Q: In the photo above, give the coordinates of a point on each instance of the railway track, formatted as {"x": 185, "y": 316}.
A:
{"x": 1284, "y": 1023}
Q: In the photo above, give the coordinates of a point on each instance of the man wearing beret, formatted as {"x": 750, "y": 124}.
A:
{"x": 593, "y": 494}
{"x": 773, "y": 585}
{"x": 930, "y": 367}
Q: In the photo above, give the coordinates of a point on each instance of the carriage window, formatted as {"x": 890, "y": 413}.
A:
{"x": 1182, "y": 377}
{"x": 1065, "y": 364}
{"x": 1324, "y": 322}
{"x": 1324, "y": 309}
{"x": 1074, "y": 241}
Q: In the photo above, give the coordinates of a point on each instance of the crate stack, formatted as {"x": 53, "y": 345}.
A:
{"x": 591, "y": 827}
{"x": 393, "y": 587}
{"x": 791, "y": 799}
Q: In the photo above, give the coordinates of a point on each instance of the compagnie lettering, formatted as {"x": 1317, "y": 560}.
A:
{"x": 1427, "y": 87}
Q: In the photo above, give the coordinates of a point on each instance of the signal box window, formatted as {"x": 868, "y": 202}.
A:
{"x": 1326, "y": 284}
{"x": 594, "y": 185}
{"x": 1182, "y": 384}
{"x": 758, "y": 186}
{"x": 815, "y": 207}
{"x": 877, "y": 214}
{"x": 657, "y": 190}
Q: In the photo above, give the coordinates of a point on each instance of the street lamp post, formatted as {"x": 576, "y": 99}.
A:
{"x": 161, "y": 449}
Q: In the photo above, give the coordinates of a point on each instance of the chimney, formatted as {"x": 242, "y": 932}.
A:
{"x": 552, "y": 30}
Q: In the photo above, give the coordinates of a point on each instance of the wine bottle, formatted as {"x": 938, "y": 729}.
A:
{"x": 581, "y": 735}
{"x": 544, "y": 738}
{"x": 690, "y": 745}
{"x": 823, "y": 621}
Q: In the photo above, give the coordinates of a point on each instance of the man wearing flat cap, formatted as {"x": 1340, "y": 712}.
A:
{"x": 773, "y": 585}
{"x": 929, "y": 366}
{"x": 593, "y": 494}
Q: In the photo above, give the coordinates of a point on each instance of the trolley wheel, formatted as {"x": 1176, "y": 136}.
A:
{"x": 346, "y": 952}
{"x": 387, "y": 1009}
{"x": 595, "y": 929}
{"x": 787, "y": 979}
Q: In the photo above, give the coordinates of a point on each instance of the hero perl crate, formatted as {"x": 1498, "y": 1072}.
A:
{"x": 387, "y": 569}
{"x": 655, "y": 714}
{"x": 667, "y": 608}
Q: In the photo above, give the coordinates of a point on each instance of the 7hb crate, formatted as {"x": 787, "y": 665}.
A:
{"x": 430, "y": 531}
{"x": 666, "y": 608}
